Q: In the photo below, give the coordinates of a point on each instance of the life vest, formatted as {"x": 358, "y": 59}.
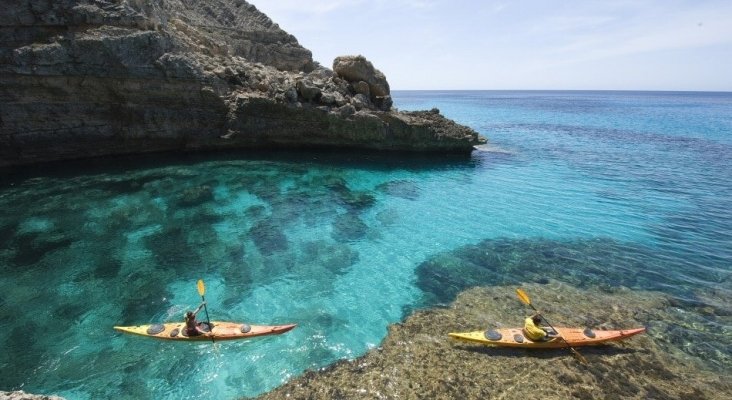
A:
{"x": 532, "y": 331}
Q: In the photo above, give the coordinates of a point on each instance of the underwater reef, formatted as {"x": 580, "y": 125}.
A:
{"x": 418, "y": 360}
{"x": 601, "y": 263}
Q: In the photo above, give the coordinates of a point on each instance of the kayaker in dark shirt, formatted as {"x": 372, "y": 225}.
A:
{"x": 191, "y": 323}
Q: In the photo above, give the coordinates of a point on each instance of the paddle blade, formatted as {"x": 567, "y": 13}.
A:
{"x": 201, "y": 287}
{"x": 579, "y": 356}
{"x": 523, "y": 296}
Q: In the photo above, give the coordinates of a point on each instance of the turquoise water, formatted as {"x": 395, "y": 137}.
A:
{"x": 592, "y": 188}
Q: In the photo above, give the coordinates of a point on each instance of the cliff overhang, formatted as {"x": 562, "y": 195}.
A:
{"x": 89, "y": 78}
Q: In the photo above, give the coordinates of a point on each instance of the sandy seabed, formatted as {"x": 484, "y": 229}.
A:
{"x": 417, "y": 360}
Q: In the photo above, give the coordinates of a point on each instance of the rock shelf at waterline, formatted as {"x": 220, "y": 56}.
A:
{"x": 83, "y": 79}
{"x": 418, "y": 360}
{"x": 21, "y": 395}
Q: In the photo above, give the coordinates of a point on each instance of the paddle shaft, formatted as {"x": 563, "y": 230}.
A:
{"x": 581, "y": 358}
{"x": 208, "y": 321}
{"x": 202, "y": 290}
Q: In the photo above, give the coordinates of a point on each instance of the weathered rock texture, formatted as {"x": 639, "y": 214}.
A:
{"x": 83, "y": 78}
{"x": 418, "y": 360}
{"x": 21, "y": 395}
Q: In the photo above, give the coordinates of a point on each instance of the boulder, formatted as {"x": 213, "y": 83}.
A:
{"x": 362, "y": 87}
{"x": 358, "y": 68}
{"x": 346, "y": 111}
{"x": 307, "y": 90}
{"x": 360, "y": 101}
{"x": 383, "y": 103}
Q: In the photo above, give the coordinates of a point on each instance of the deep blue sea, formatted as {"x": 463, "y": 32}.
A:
{"x": 596, "y": 189}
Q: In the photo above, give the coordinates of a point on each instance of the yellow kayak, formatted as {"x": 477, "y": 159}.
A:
{"x": 514, "y": 337}
{"x": 221, "y": 330}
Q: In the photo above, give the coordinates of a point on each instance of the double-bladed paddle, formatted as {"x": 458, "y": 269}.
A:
{"x": 526, "y": 300}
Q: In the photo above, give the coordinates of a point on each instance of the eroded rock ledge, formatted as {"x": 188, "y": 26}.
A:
{"x": 84, "y": 78}
{"x": 21, "y": 395}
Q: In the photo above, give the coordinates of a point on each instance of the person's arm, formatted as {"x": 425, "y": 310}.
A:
{"x": 199, "y": 308}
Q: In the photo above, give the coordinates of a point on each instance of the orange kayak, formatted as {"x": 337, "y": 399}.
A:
{"x": 514, "y": 337}
{"x": 220, "y": 331}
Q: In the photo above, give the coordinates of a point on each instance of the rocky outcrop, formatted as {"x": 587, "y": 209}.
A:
{"x": 85, "y": 78}
{"x": 21, "y": 395}
{"x": 366, "y": 79}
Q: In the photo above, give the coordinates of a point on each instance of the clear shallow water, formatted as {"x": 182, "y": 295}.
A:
{"x": 605, "y": 188}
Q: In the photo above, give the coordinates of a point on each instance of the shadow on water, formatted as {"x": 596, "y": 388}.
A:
{"x": 373, "y": 160}
{"x": 608, "y": 350}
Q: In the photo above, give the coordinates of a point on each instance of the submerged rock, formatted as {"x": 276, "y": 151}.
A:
{"x": 195, "y": 196}
{"x": 401, "y": 188}
{"x": 417, "y": 360}
{"x": 268, "y": 237}
{"x": 84, "y": 78}
{"x": 21, "y": 395}
{"x": 348, "y": 227}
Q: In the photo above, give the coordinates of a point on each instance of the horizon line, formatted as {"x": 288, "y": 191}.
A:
{"x": 566, "y": 90}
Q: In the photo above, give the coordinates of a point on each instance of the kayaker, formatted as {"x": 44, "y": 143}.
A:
{"x": 534, "y": 332}
{"x": 191, "y": 323}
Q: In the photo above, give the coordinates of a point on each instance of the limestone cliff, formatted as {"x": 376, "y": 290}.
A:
{"x": 85, "y": 78}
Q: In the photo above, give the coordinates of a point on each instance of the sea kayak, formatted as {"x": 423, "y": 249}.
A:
{"x": 221, "y": 330}
{"x": 514, "y": 337}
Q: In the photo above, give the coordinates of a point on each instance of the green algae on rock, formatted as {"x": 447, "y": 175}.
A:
{"x": 417, "y": 360}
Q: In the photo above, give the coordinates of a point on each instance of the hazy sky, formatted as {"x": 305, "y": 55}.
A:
{"x": 529, "y": 44}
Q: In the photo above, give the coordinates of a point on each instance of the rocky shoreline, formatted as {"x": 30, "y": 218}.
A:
{"x": 89, "y": 78}
{"x": 417, "y": 360}
{"x": 21, "y": 395}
